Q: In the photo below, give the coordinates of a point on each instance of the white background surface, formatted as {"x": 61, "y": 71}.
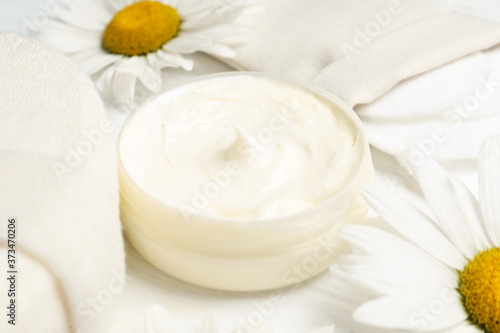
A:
{"x": 302, "y": 309}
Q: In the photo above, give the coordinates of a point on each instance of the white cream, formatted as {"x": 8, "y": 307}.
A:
{"x": 240, "y": 147}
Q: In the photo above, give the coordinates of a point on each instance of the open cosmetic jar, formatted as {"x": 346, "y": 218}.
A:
{"x": 241, "y": 181}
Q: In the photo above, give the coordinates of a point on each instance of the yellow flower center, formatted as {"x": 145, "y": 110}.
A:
{"x": 141, "y": 28}
{"x": 480, "y": 287}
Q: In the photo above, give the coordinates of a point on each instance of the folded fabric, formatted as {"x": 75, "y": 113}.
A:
{"x": 486, "y": 9}
{"x": 356, "y": 49}
{"x": 58, "y": 179}
{"x": 447, "y": 112}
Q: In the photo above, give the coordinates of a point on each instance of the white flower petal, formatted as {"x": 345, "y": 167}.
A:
{"x": 57, "y": 26}
{"x": 79, "y": 12}
{"x": 424, "y": 308}
{"x": 383, "y": 280}
{"x": 445, "y": 196}
{"x": 74, "y": 46}
{"x": 103, "y": 83}
{"x": 119, "y": 81}
{"x": 383, "y": 276}
{"x": 154, "y": 60}
{"x": 192, "y": 9}
{"x": 209, "y": 325}
{"x": 116, "y": 5}
{"x": 123, "y": 86}
{"x": 241, "y": 8}
{"x": 150, "y": 78}
{"x": 345, "y": 297}
{"x": 345, "y": 289}
{"x": 414, "y": 225}
{"x": 123, "y": 91}
{"x": 489, "y": 186}
{"x": 374, "y": 242}
{"x": 174, "y": 60}
{"x": 471, "y": 212}
{"x": 94, "y": 61}
{"x": 157, "y": 320}
{"x": 132, "y": 65}
{"x": 61, "y": 37}
{"x": 325, "y": 329}
{"x": 215, "y": 32}
{"x": 465, "y": 327}
{"x": 187, "y": 44}
{"x": 218, "y": 50}
{"x": 221, "y": 11}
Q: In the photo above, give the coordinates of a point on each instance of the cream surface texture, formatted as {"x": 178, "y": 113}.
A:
{"x": 240, "y": 147}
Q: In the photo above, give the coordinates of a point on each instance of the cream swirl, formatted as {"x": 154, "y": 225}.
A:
{"x": 241, "y": 147}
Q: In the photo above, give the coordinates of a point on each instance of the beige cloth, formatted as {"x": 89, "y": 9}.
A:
{"x": 359, "y": 49}
{"x": 58, "y": 177}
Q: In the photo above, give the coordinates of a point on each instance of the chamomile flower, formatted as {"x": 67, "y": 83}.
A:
{"x": 437, "y": 271}
{"x": 124, "y": 43}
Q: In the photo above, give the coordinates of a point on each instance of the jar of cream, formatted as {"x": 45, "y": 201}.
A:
{"x": 241, "y": 181}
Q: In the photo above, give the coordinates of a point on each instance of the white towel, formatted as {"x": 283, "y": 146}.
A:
{"x": 58, "y": 178}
